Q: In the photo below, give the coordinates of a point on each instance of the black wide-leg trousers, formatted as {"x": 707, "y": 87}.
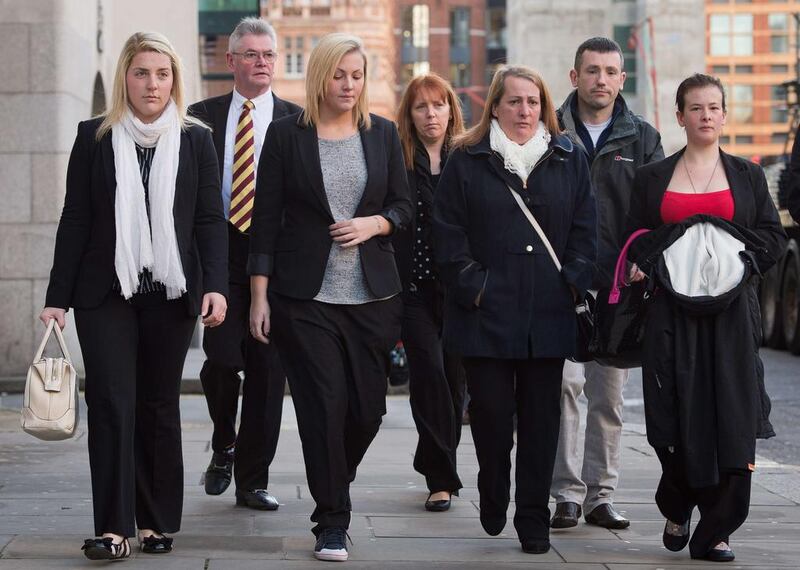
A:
{"x": 498, "y": 389}
{"x": 723, "y": 507}
{"x": 336, "y": 359}
{"x": 436, "y": 385}
{"x": 133, "y": 353}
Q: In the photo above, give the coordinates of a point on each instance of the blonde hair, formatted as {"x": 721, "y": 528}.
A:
{"x": 137, "y": 43}
{"x": 434, "y": 83}
{"x": 322, "y": 63}
{"x": 496, "y": 91}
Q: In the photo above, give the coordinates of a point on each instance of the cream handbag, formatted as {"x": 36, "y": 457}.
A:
{"x": 50, "y": 405}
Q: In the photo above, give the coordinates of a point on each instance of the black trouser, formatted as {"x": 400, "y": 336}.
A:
{"x": 262, "y": 392}
{"x": 134, "y": 354}
{"x": 723, "y": 507}
{"x": 436, "y": 386}
{"x": 532, "y": 388}
{"x": 337, "y": 361}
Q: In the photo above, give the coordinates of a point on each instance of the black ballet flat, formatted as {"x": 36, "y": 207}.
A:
{"x": 106, "y": 549}
{"x": 155, "y": 545}
{"x": 437, "y": 506}
{"x": 676, "y": 542}
{"x": 717, "y": 555}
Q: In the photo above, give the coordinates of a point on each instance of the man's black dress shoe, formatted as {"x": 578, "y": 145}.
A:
{"x": 258, "y": 499}
{"x": 605, "y": 516}
{"x": 155, "y": 544}
{"x": 566, "y": 515}
{"x": 535, "y": 545}
{"x": 676, "y": 542}
{"x": 218, "y": 474}
{"x": 717, "y": 555}
{"x": 437, "y": 506}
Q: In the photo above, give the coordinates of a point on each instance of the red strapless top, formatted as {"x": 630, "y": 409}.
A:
{"x": 677, "y": 206}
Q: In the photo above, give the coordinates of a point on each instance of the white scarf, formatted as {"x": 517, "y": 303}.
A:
{"x": 136, "y": 249}
{"x": 519, "y": 159}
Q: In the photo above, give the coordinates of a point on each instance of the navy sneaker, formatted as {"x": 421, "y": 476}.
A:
{"x": 331, "y": 544}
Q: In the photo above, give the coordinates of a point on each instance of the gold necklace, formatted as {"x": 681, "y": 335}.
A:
{"x": 713, "y": 172}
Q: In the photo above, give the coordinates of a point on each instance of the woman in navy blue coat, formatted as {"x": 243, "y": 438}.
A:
{"x": 508, "y": 310}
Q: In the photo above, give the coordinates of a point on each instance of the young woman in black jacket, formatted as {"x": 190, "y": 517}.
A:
{"x": 508, "y": 309}
{"x": 428, "y": 118}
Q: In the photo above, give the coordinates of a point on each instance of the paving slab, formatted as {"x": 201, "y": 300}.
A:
{"x": 430, "y": 565}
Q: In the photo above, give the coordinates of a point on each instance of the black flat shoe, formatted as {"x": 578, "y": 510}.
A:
{"x": 535, "y": 545}
{"x": 677, "y": 542}
{"x": 606, "y": 517}
{"x": 566, "y": 515}
{"x": 258, "y": 499}
{"x": 155, "y": 544}
{"x": 717, "y": 555}
{"x": 219, "y": 472}
{"x": 437, "y": 506}
{"x": 106, "y": 549}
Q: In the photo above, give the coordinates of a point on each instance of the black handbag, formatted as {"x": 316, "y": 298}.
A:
{"x": 583, "y": 311}
{"x": 619, "y": 318}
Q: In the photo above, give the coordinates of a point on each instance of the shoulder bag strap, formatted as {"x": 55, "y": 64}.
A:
{"x": 536, "y": 227}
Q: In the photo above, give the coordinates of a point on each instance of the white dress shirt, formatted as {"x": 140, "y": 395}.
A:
{"x": 262, "y": 117}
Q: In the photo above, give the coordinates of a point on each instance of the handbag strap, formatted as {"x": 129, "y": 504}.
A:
{"x": 536, "y": 226}
{"x": 51, "y": 326}
{"x": 619, "y": 277}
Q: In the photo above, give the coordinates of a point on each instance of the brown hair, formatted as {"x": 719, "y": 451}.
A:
{"x": 405, "y": 125}
{"x": 698, "y": 81}
{"x": 496, "y": 91}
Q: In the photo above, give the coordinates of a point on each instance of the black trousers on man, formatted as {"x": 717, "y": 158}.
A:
{"x": 498, "y": 389}
{"x": 436, "y": 385}
{"x": 230, "y": 349}
{"x": 336, "y": 359}
{"x": 723, "y": 507}
{"x": 133, "y": 353}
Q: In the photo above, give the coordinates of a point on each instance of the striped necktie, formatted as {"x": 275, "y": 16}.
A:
{"x": 243, "y": 189}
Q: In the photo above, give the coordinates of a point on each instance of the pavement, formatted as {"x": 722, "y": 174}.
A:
{"x": 45, "y": 510}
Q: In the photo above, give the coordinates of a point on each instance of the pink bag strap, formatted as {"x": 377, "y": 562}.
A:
{"x": 619, "y": 271}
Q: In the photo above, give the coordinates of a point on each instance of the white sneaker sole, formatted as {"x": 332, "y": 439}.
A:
{"x": 331, "y": 555}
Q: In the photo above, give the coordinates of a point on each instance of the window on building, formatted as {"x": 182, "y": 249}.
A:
{"x": 779, "y": 138}
{"x": 294, "y": 47}
{"x": 779, "y": 93}
{"x": 415, "y": 22}
{"x": 459, "y": 28}
{"x": 724, "y": 139}
{"x": 623, "y": 36}
{"x": 779, "y": 68}
{"x": 742, "y": 102}
{"x": 743, "y": 69}
{"x": 778, "y": 114}
{"x": 460, "y": 77}
{"x": 743, "y": 139}
{"x": 409, "y": 71}
{"x": 720, "y": 69}
{"x": 495, "y": 28}
{"x": 227, "y": 5}
{"x": 731, "y": 34}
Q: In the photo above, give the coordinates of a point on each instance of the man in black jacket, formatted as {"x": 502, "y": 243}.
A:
{"x": 616, "y": 142}
{"x": 239, "y": 121}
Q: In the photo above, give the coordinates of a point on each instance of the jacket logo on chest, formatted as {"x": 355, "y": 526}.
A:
{"x": 620, "y": 157}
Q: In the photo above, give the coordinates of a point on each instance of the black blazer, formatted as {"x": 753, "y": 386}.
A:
{"x": 214, "y": 113}
{"x": 753, "y": 206}
{"x": 83, "y": 266}
{"x": 289, "y": 237}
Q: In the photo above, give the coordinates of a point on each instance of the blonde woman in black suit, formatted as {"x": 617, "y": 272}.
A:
{"x": 331, "y": 189}
{"x": 141, "y": 250}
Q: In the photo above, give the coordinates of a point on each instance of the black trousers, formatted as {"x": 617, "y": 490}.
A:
{"x": 230, "y": 349}
{"x": 723, "y": 507}
{"x": 133, "y": 353}
{"x": 532, "y": 388}
{"x": 436, "y": 386}
{"x": 337, "y": 361}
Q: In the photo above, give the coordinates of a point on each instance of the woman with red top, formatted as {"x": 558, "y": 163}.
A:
{"x": 714, "y": 230}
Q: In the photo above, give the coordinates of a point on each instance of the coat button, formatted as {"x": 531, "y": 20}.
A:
{"x": 528, "y": 248}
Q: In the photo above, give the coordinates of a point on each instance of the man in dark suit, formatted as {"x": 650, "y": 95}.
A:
{"x": 239, "y": 121}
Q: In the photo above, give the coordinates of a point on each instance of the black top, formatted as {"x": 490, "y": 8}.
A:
{"x": 422, "y": 268}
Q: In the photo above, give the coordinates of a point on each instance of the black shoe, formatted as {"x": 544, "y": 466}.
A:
{"x": 717, "y": 555}
{"x": 493, "y": 525}
{"x": 535, "y": 545}
{"x": 258, "y": 499}
{"x": 566, "y": 515}
{"x": 676, "y": 542}
{"x": 219, "y": 471}
{"x": 106, "y": 549}
{"x": 155, "y": 544}
{"x": 331, "y": 544}
{"x": 437, "y": 506}
{"x": 605, "y": 516}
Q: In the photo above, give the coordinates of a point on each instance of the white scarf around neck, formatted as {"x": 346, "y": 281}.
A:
{"x": 138, "y": 246}
{"x": 519, "y": 159}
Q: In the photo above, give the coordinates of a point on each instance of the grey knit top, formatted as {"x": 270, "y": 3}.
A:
{"x": 344, "y": 174}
